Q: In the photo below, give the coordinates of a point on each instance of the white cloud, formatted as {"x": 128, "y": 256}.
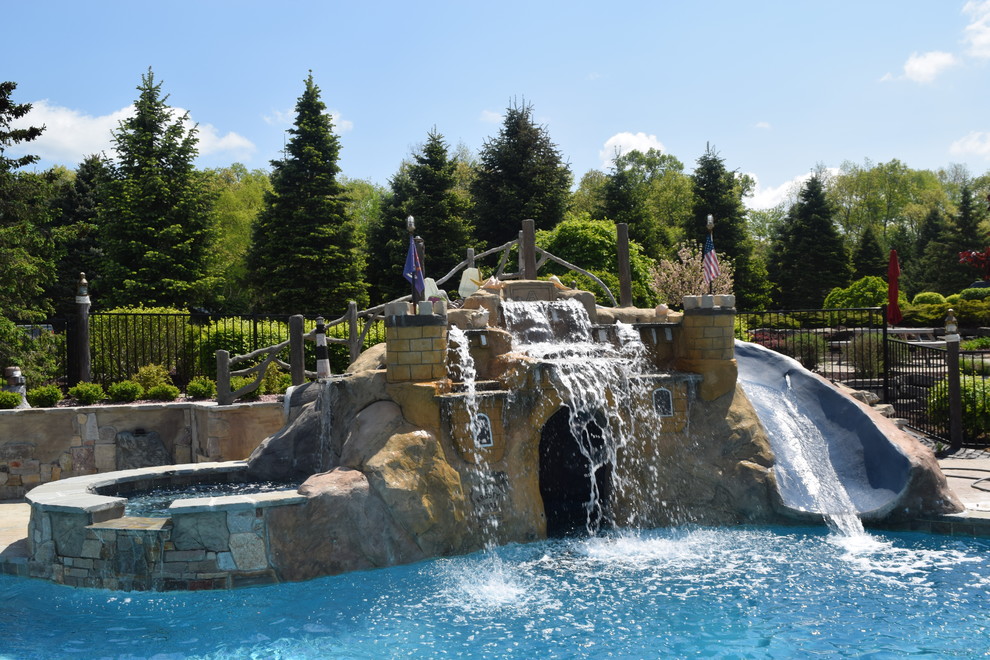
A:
{"x": 763, "y": 125}
{"x": 926, "y": 67}
{"x": 280, "y": 117}
{"x": 625, "y": 142}
{"x": 70, "y": 136}
{"x": 977, "y": 33}
{"x": 977, "y": 143}
{"x": 491, "y": 117}
{"x": 785, "y": 193}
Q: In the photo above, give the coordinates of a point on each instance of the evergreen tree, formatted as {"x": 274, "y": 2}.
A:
{"x": 718, "y": 192}
{"x": 77, "y": 232}
{"x": 426, "y": 189}
{"x": 305, "y": 254}
{"x": 868, "y": 257}
{"x": 521, "y": 175}
{"x": 808, "y": 258}
{"x": 26, "y": 248}
{"x": 156, "y": 219}
{"x": 963, "y": 234}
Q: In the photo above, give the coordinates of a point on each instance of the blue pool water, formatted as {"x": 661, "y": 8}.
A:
{"x": 733, "y": 592}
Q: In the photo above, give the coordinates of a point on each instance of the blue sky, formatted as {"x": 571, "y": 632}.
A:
{"x": 776, "y": 87}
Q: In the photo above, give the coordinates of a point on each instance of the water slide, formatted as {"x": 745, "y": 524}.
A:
{"x": 833, "y": 455}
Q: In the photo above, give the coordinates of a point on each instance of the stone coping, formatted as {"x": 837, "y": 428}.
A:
{"x": 79, "y": 494}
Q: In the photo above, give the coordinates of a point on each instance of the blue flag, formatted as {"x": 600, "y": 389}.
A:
{"x": 414, "y": 269}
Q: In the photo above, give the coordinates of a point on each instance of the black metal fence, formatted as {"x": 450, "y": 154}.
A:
{"x": 916, "y": 377}
{"x": 840, "y": 344}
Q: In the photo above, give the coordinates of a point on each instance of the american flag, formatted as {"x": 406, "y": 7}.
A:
{"x": 709, "y": 261}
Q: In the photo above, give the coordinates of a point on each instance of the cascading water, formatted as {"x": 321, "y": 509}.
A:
{"x": 462, "y": 371}
{"x": 598, "y": 385}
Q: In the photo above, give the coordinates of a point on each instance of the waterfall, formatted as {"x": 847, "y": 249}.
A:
{"x": 596, "y": 382}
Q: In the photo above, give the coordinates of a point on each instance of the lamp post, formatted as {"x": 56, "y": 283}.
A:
{"x": 411, "y": 228}
{"x": 954, "y": 385}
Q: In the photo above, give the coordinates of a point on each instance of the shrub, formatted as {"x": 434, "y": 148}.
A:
{"x": 125, "y": 391}
{"x": 953, "y": 299}
{"x": 974, "y": 294}
{"x": 865, "y": 353}
{"x": 238, "y": 337}
{"x": 152, "y": 375}
{"x": 201, "y": 388}
{"x": 974, "y": 365}
{"x": 869, "y": 291}
{"x": 45, "y": 396}
{"x": 975, "y": 392}
{"x": 805, "y": 347}
{"x": 36, "y": 350}
{"x": 87, "y": 393}
{"x": 163, "y": 392}
{"x": 237, "y": 382}
{"x": 928, "y": 298}
{"x": 977, "y": 344}
{"x": 9, "y": 400}
{"x": 275, "y": 381}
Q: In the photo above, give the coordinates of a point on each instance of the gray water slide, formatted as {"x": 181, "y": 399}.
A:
{"x": 821, "y": 437}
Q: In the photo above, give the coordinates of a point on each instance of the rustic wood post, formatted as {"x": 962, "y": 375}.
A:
{"x": 353, "y": 336}
{"x": 297, "y": 350}
{"x": 527, "y": 250}
{"x": 625, "y": 274}
{"x": 224, "y": 395}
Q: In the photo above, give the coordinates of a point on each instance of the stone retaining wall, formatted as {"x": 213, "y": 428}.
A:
{"x": 40, "y": 445}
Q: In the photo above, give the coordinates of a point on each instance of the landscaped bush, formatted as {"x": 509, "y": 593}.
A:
{"x": 953, "y": 299}
{"x": 236, "y": 336}
{"x": 975, "y": 392}
{"x": 869, "y": 291}
{"x": 976, "y": 344}
{"x": 805, "y": 347}
{"x": 275, "y": 381}
{"x": 87, "y": 393}
{"x": 152, "y": 375}
{"x": 9, "y": 400}
{"x": 163, "y": 392}
{"x": 928, "y": 298}
{"x": 974, "y": 294}
{"x": 237, "y": 382}
{"x": 36, "y": 350}
{"x": 201, "y": 388}
{"x": 125, "y": 391}
{"x": 45, "y": 396}
{"x": 865, "y": 353}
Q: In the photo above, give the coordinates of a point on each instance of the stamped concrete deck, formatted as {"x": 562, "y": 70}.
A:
{"x": 964, "y": 475}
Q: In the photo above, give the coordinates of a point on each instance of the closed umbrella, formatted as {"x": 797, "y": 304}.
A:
{"x": 893, "y": 274}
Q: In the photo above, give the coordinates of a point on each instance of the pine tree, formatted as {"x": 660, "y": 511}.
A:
{"x": 868, "y": 257}
{"x": 521, "y": 176}
{"x": 156, "y": 219}
{"x": 305, "y": 256}
{"x": 426, "y": 189}
{"x": 26, "y": 248}
{"x": 717, "y": 192}
{"x": 77, "y": 231}
{"x": 808, "y": 256}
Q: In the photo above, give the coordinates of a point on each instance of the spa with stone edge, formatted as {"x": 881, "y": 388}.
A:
{"x": 530, "y": 412}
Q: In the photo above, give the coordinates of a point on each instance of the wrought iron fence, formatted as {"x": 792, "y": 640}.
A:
{"x": 840, "y": 344}
{"x": 917, "y": 378}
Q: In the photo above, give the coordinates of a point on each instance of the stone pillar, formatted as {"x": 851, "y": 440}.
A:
{"x": 416, "y": 343}
{"x": 708, "y": 343}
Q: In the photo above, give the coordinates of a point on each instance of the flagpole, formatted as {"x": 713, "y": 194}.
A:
{"x": 411, "y": 228}
{"x": 711, "y": 226}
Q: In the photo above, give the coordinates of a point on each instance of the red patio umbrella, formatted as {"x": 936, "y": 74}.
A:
{"x": 893, "y": 274}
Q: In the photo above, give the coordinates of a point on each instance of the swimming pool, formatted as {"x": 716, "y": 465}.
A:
{"x": 725, "y": 592}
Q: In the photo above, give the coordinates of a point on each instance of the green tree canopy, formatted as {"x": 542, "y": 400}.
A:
{"x": 808, "y": 259}
{"x": 521, "y": 175}
{"x": 425, "y": 188}
{"x": 156, "y": 218}
{"x": 26, "y": 247}
{"x": 869, "y": 257}
{"x": 305, "y": 255}
{"x": 718, "y": 191}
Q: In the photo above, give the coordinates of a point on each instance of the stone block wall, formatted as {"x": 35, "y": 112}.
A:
{"x": 416, "y": 343}
{"x": 707, "y": 343}
{"x": 39, "y": 445}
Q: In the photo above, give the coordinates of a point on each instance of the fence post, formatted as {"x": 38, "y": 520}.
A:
{"x": 955, "y": 390}
{"x": 625, "y": 276}
{"x": 79, "y": 342}
{"x": 353, "y": 336}
{"x": 886, "y": 355}
{"x": 224, "y": 397}
{"x": 527, "y": 250}
{"x": 470, "y": 258}
{"x": 297, "y": 350}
